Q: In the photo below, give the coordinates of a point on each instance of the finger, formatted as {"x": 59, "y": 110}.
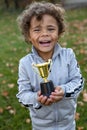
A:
{"x": 39, "y": 93}
{"x": 61, "y": 93}
{"x": 40, "y": 98}
{"x": 43, "y": 100}
{"x": 48, "y": 101}
{"x": 56, "y": 98}
{"x": 58, "y": 88}
{"x": 58, "y": 93}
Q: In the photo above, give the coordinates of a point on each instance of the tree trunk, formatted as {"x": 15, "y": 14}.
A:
{"x": 16, "y": 4}
{"x": 6, "y": 3}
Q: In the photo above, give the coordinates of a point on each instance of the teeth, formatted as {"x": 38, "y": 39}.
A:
{"x": 44, "y": 42}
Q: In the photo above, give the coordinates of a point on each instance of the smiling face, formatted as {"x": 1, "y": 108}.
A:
{"x": 43, "y": 35}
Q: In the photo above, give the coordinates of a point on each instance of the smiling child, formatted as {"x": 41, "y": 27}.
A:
{"x": 42, "y": 24}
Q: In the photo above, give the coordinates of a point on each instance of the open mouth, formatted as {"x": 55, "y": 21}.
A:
{"x": 45, "y": 42}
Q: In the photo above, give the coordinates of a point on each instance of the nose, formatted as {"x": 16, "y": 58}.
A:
{"x": 44, "y": 32}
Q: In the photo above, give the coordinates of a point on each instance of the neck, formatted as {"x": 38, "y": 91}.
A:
{"x": 46, "y": 56}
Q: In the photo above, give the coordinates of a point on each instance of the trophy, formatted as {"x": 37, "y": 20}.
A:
{"x": 43, "y": 70}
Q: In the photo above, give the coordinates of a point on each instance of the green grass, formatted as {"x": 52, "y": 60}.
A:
{"x": 12, "y": 115}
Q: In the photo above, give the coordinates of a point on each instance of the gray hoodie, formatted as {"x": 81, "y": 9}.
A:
{"x": 65, "y": 72}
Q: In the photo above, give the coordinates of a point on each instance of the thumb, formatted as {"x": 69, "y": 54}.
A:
{"x": 39, "y": 93}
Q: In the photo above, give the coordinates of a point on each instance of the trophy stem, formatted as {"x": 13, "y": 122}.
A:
{"x": 45, "y": 80}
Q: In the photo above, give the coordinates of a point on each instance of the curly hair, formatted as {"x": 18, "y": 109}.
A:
{"x": 38, "y": 9}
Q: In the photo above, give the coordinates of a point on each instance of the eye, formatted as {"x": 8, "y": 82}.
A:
{"x": 51, "y": 29}
{"x": 36, "y": 30}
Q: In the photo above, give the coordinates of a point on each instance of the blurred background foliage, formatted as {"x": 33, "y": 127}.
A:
{"x": 21, "y": 3}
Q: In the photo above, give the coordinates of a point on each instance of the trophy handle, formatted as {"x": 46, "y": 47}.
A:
{"x": 50, "y": 65}
{"x": 36, "y": 70}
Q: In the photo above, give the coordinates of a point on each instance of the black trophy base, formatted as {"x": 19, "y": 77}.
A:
{"x": 47, "y": 88}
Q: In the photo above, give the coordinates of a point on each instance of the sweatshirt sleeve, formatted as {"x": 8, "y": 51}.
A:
{"x": 25, "y": 95}
{"x": 75, "y": 83}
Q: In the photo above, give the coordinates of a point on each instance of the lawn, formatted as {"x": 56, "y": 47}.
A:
{"x": 14, "y": 116}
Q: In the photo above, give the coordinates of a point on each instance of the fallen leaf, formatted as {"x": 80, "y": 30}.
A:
{"x": 27, "y": 50}
{"x": 12, "y": 71}
{"x": 80, "y": 103}
{"x": 12, "y": 111}
{"x": 9, "y": 64}
{"x": 14, "y": 49}
{"x": 77, "y": 116}
{"x": 3, "y": 81}
{"x": 8, "y": 107}
{"x": 22, "y": 105}
{"x": 28, "y": 120}
{"x": 1, "y": 110}
{"x": 5, "y": 93}
{"x": 1, "y": 75}
{"x": 85, "y": 96}
{"x": 64, "y": 44}
{"x": 80, "y": 128}
{"x": 82, "y": 51}
{"x": 11, "y": 85}
{"x": 85, "y": 69}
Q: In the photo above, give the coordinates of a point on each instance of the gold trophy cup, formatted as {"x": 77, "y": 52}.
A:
{"x": 43, "y": 70}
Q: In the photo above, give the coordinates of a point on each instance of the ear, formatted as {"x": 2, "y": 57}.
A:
{"x": 29, "y": 40}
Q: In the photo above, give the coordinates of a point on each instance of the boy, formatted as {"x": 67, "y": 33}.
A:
{"x": 42, "y": 24}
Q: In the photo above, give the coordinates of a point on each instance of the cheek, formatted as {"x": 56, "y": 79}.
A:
{"x": 31, "y": 37}
{"x": 55, "y": 37}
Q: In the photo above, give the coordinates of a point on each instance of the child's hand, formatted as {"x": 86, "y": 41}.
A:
{"x": 44, "y": 99}
{"x": 57, "y": 95}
